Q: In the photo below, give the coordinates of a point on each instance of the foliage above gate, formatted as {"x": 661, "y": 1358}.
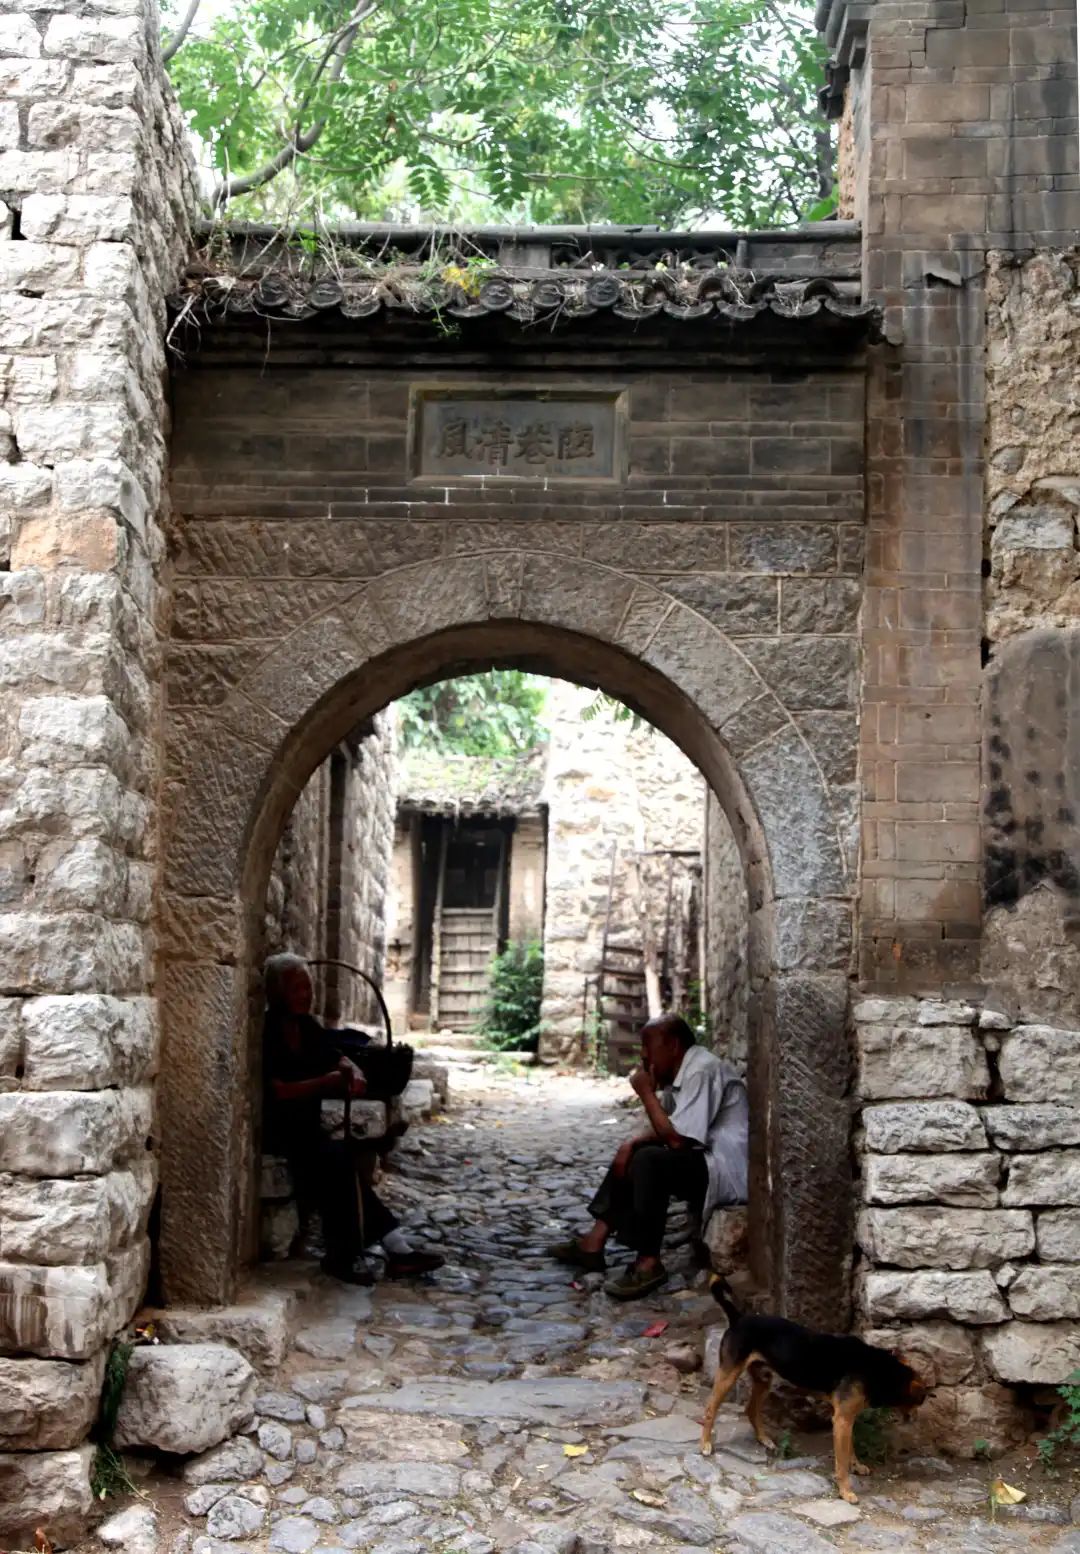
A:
{"x": 532, "y": 110}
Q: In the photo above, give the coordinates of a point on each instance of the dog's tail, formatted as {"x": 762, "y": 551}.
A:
{"x": 721, "y": 1293}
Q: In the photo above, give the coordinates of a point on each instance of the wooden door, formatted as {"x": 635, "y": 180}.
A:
{"x": 468, "y": 944}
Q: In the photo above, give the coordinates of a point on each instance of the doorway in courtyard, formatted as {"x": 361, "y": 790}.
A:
{"x": 521, "y": 862}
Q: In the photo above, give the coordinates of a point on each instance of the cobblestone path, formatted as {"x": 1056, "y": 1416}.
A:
{"x": 501, "y": 1407}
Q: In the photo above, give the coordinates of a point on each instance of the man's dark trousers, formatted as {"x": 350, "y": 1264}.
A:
{"x": 324, "y": 1176}
{"x": 636, "y": 1205}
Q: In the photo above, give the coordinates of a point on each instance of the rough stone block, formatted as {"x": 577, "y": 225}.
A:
{"x": 89, "y": 1042}
{"x": 910, "y": 1297}
{"x": 1039, "y": 1353}
{"x": 275, "y": 1183}
{"x": 19, "y": 37}
{"x": 69, "y": 1313}
{"x": 36, "y": 267}
{"x": 1032, "y": 1127}
{"x": 279, "y": 1226}
{"x": 73, "y": 730}
{"x": 1039, "y": 1063}
{"x": 914, "y": 1062}
{"x": 1047, "y": 1293}
{"x": 942, "y": 1352}
{"x": 257, "y": 1327}
{"x": 727, "y": 1236}
{"x": 69, "y": 1132}
{"x": 963, "y": 1180}
{"x": 71, "y": 951}
{"x": 101, "y": 38}
{"x": 957, "y": 1421}
{"x": 945, "y": 1238}
{"x": 49, "y": 1405}
{"x": 185, "y": 1398}
{"x": 50, "y": 1489}
{"x": 24, "y": 486}
{"x": 924, "y": 1126}
{"x": 74, "y": 1221}
{"x": 1051, "y": 1179}
{"x": 77, "y": 218}
{"x": 1057, "y": 1235}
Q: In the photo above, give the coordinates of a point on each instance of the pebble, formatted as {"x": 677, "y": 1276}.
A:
{"x": 234, "y": 1517}
{"x": 276, "y": 1440}
{"x": 294, "y": 1535}
{"x": 322, "y": 1510}
{"x": 280, "y": 1405}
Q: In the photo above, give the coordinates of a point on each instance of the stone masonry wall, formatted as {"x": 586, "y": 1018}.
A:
{"x": 95, "y": 190}
{"x": 968, "y": 1146}
{"x": 606, "y": 785}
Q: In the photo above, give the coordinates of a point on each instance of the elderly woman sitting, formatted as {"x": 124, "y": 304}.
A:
{"x": 302, "y": 1067}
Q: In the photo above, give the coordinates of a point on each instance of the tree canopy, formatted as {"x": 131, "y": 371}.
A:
{"x": 536, "y": 111}
{"x": 498, "y": 713}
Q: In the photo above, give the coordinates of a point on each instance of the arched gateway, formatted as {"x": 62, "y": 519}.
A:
{"x": 658, "y": 492}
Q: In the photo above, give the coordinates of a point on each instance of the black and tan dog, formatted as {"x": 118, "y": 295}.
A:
{"x": 851, "y": 1374}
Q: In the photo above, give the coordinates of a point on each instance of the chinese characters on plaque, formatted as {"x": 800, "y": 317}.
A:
{"x": 523, "y": 437}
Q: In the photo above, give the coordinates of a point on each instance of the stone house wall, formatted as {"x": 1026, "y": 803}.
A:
{"x": 95, "y": 193}
{"x": 328, "y": 885}
{"x": 607, "y": 785}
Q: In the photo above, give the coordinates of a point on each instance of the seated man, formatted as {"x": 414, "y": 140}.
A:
{"x": 302, "y": 1068}
{"x": 696, "y": 1150}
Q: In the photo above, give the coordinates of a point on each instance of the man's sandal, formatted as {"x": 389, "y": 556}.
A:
{"x": 573, "y": 1256}
{"x": 410, "y": 1265}
{"x": 633, "y": 1284}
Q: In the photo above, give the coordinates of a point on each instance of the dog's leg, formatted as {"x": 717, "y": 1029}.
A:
{"x": 726, "y": 1377}
{"x": 847, "y": 1407}
{"x": 760, "y": 1382}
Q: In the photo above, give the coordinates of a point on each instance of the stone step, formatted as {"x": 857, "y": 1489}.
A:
{"x": 553, "y": 1400}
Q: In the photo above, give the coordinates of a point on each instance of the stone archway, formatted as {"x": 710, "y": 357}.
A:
{"x": 234, "y": 770}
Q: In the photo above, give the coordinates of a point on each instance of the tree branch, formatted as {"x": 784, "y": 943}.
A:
{"x": 176, "y": 42}
{"x": 301, "y": 141}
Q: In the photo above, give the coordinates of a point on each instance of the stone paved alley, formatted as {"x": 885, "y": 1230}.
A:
{"x": 503, "y": 1408}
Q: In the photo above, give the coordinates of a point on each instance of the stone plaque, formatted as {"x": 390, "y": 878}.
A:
{"x": 519, "y": 434}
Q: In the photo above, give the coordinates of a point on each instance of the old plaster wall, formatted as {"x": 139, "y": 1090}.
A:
{"x": 528, "y": 878}
{"x": 95, "y": 190}
{"x": 607, "y": 786}
{"x": 726, "y": 931}
{"x": 1031, "y": 948}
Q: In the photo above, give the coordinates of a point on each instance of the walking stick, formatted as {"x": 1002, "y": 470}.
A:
{"x": 347, "y": 1122}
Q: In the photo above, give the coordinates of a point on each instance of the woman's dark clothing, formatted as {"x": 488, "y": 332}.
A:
{"x": 636, "y": 1205}
{"x": 323, "y": 1169}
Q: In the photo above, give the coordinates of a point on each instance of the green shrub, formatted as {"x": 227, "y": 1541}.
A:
{"x": 1067, "y": 1434}
{"x": 511, "y": 1020}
